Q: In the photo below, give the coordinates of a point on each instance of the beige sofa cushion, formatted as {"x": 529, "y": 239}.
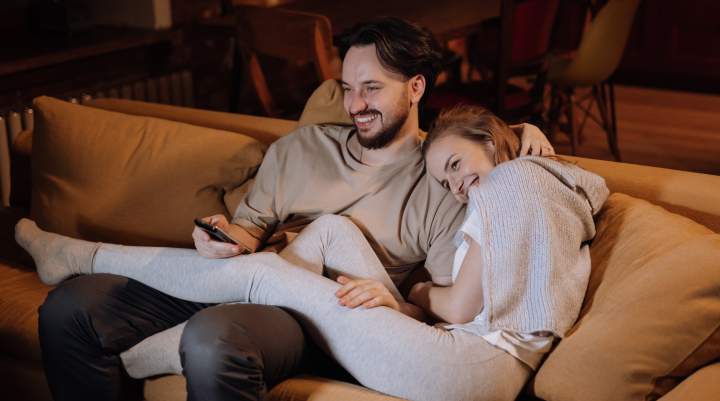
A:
{"x": 692, "y": 195}
{"x": 325, "y": 106}
{"x": 652, "y": 311}
{"x": 113, "y": 177}
{"x": 703, "y": 385}
{"x": 299, "y": 388}
{"x": 264, "y": 129}
{"x": 307, "y": 388}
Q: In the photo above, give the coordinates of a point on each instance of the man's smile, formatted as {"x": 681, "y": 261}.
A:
{"x": 363, "y": 121}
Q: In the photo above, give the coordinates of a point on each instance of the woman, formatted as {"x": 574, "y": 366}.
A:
{"x": 520, "y": 273}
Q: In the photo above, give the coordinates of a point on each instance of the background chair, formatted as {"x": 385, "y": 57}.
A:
{"x": 524, "y": 44}
{"x": 278, "y": 44}
{"x": 597, "y": 57}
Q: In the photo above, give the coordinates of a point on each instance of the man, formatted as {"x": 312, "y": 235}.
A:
{"x": 372, "y": 172}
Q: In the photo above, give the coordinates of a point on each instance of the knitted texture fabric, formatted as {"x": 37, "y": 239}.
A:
{"x": 533, "y": 218}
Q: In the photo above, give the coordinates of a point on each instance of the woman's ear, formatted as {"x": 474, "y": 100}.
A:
{"x": 417, "y": 88}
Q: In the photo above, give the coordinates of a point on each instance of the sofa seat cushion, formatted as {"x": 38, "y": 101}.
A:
{"x": 112, "y": 177}
{"x": 299, "y": 388}
{"x": 651, "y": 315}
{"x": 702, "y": 385}
{"x": 22, "y": 294}
{"x": 311, "y": 388}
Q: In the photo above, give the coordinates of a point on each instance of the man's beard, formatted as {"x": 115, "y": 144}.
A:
{"x": 385, "y": 136}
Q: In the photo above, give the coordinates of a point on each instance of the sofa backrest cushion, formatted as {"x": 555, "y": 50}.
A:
{"x": 265, "y": 129}
{"x": 112, "y": 177}
{"x": 693, "y": 195}
{"x": 325, "y": 106}
{"x": 651, "y": 314}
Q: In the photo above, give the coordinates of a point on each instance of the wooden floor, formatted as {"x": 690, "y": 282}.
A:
{"x": 671, "y": 129}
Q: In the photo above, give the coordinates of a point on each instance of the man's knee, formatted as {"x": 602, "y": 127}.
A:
{"x": 210, "y": 341}
{"x": 240, "y": 348}
{"x": 69, "y": 309}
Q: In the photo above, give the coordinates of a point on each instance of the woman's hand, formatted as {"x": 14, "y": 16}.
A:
{"x": 364, "y": 292}
{"x": 533, "y": 141}
{"x": 210, "y": 248}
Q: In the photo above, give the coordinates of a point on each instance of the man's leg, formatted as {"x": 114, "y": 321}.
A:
{"x": 86, "y": 322}
{"x": 239, "y": 351}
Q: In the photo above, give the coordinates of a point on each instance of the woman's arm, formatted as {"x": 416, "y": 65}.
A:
{"x": 462, "y": 301}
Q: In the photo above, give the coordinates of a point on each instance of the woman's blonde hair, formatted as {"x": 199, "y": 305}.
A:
{"x": 477, "y": 124}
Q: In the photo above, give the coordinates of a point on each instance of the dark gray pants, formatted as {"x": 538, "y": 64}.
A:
{"x": 228, "y": 352}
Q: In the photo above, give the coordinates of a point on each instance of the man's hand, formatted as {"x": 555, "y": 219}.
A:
{"x": 533, "y": 141}
{"x": 364, "y": 292}
{"x": 210, "y": 248}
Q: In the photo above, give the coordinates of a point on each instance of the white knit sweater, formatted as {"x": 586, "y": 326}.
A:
{"x": 533, "y": 217}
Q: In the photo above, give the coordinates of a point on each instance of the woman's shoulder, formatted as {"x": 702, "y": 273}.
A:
{"x": 537, "y": 174}
{"x": 538, "y": 169}
{"x": 530, "y": 163}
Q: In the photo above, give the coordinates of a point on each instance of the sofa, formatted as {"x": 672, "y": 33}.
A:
{"x": 132, "y": 172}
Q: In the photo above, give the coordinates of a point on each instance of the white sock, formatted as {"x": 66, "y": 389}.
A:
{"x": 56, "y": 256}
{"x": 156, "y": 355}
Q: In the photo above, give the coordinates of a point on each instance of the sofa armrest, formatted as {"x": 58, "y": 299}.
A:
{"x": 264, "y": 129}
{"x": 692, "y": 195}
{"x": 702, "y": 385}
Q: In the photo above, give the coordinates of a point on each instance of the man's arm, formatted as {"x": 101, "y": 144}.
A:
{"x": 251, "y": 218}
{"x": 443, "y": 220}
{"x": 532, "y": 140}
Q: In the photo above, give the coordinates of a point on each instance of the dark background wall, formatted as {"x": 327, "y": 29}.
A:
{"x": 674, "y": 44}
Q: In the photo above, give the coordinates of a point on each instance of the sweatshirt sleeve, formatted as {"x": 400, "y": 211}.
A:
{"x": 256, "y": 211}
{"x": 445, "y": 222}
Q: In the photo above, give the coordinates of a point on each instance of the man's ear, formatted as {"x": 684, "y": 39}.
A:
{"x": 417, "y": 88}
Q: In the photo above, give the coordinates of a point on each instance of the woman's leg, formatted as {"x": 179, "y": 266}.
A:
{"x": 335, "y": 245}
{"x": 332, "y": 242}
{"x": 383, "y": 349}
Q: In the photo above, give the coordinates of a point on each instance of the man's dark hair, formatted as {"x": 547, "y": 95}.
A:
{"x": 402, "y": 47}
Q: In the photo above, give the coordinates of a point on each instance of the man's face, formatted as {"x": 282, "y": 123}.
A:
{"x": 376, "y": 99}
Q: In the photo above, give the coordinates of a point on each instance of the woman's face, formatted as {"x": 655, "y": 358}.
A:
{"x": 458, "y": 164}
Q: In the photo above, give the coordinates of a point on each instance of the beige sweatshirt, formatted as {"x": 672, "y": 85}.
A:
{"x": 407, "y": 216}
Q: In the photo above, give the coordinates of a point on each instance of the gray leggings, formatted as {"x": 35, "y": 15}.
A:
{"x": 383, "y": 349}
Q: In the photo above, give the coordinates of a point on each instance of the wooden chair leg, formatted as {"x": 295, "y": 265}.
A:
{"x": 604, "y": 107}
{"x": 571, "y": 122}
{"x": 554, "y": 111}
{"x": 614, "y": 146}
{"x": 591, "y": 99}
